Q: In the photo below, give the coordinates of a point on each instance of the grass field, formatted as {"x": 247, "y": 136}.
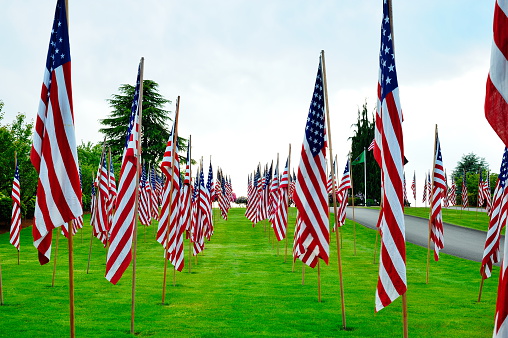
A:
{"x": 240, "y": 287}
{"x": 471, "y": 219}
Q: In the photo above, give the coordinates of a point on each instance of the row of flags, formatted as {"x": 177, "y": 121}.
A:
{"x": 58, "y": 201}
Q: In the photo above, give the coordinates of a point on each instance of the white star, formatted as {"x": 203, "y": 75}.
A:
{"x": 62, "y": 56}
{"x": 59, "y": 23}
{"x": 390, "y": 37}
{"x": 387, "y": 50}
{"x": 388, "y": 80}
{"x": 56, "y": 51}
{"x": 390, "y": 68}
{"x": 60, "y": 40}
{"x": 387, "y": 19}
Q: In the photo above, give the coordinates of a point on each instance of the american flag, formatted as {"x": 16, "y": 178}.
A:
{"x": 274, "y": 196}
{"x": 93, "y": 202}
{"x": 436, "y": 218}
{"x": 54, "y": 154}
{"x": 311, "y": 198}
{"x": 487, "y": 195}
{"x": 389, "y": 139}
{"x": 446, "y": 202}
{"x": 452, "y": 193}
{"x": 185, "y": 193}
{"x": 204, "y": 208}
{"x": 496, "y": 112}
{"x": 371, "y": 145}
{"x": 168, "y": 220}
{"x": 424, "y": 199}
{"x": 208, "y": 224}
{"x": 281, "y": 211}
{"x": 429, "y": 187}
{"x": 16, "y": 209}
{"x": 144, "y": 199}
{"x": 223, "y": 196}
{"x": 197, "y": 225}
{"x": 345, "y": 184}
{"x": 155, "y": 195}
{"x": 405, "y": 190}
{"x": 330, "y": 187}
{"x": 464, "y": 191}
{"x": 101, "y": 216}
{"x": 252, "y": 202}
{"x": 78, "y": 222}
{"x": 112, "y": 192}
{"x": 122, "y": 228}
{"x": 481, "y": 197}
{"x": 498, "y": 217}
{"x": 413, "y": 186}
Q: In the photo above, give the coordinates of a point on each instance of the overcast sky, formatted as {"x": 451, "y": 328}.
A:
{"x": 245, "y": 71}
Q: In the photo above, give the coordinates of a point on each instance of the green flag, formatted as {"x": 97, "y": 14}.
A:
{"x": 359, "y": 159}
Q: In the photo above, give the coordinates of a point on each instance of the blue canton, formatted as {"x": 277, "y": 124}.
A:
{"x": 386, "y": 56}
{"x": 315, "y": 128}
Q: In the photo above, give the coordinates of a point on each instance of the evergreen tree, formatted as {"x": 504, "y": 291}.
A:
{"x": 360, "y": 141}
{"x": 155, "y": 122}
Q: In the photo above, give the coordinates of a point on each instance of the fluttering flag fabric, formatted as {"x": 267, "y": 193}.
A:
{"x": 281, "y": 211}
{"x": 122, "y": 229}
{"x": 452, "y": 193}
{"x": 389, "y": 140}
{"x": 345, "y": 184}
{"x": 464, "y": 191}
{"x": 436, "y": 218}
{"x": 497, "y": 221}
{"x": 496, "y": 96}
{"x": 310, "y": 196}
{"x": 101, "y": 216}
{"x": 16, "y": 210}
{"x": 112, "y": 192}
{"x": 424, "y": 199}
{"x": 144, "y": 199}
{"x": 54, "y": 153}
{"x": 413, "y": 186}
{"x": 359, "y": 159}
{"x": 481, "y": 196}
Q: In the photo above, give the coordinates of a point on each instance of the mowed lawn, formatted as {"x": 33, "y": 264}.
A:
{"x": 239, "y": 287}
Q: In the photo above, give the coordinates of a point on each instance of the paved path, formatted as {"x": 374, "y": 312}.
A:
{"x": 458, "y": 241}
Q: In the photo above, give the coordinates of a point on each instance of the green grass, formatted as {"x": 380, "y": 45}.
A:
{"x": 240, "y": 287}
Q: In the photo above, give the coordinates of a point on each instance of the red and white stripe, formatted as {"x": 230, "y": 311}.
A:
{"x": 102, "y": 216}
{"x": 390, "y": 143}
{"x": 281, "y": 210}
{"x": 436, "y": 219}
{"x": 54, "y": 151}
{"x": 122, "y": 229}
{"x": 274, "y": 196}
{"x": 345, "y": 184}
{"x": 16, "y": 210}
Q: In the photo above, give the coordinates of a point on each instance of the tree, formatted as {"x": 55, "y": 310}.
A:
{"x": 361, "y": 139}
{"x": 17, "y": 137}
{"x": 470, "y": 163}
{"x": 154, "y": 122}
{"x": 89, "y": 156}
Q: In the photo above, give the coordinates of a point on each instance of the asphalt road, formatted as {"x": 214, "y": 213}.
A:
{"x": 458, "y": 241}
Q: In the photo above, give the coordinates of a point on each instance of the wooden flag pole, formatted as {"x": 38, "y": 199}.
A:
{"x": 71, "y": 278}
{"x": 171, "y": 187}
{"x": 189, "y": 201}
{"x": 353, "y": 205}
{"x": 404, "y": 298}
{"x": 56, "y": 256}
{"x": 287, "y": 200}
{"x": 481, "y": 288}
{"x": 319, "y": 281}
{"x": 136, "y": 194}
{"x": 431, "y": 202}
{"x": 329, "y": 134}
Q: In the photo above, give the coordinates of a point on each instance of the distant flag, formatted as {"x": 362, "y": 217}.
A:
{"x": 345, "y": 185}
{"x": 452, "y": 193}
{"x": 481, "y": 197}
{"x": 436, "y": 219}
{"x": 78, "y": 222}
{"x": 112, "y": 192}
{"x": 208, "y": 230}
{"x": 425, "y": 189}
{"x": 498, "y": 217}
{"x": 389, "y": 141}
{"x": 16, "y": 209}
{"x": 446, "y": 202}
{"x": 413, "y": 186}
{"x": 372, "y": 144}
{"x": 332, "y": 186}
{"x": 185, "y": 193}
{"x": 487, "y": 195}
{"x": 54, "y": 153}
{"x": 144, "y": 199}
{"x": 429, "y": 187}
{"x": 405, "y": 190}
{"x": 464, "y": 191}
{"x": 155, "y": 195}
{"x": 101, "y": 216}
{"x": 122, "y": 229}
{"x": 274, "y": 195}
{"x": 281, "y": 210}
{"x": 311, "y": 198}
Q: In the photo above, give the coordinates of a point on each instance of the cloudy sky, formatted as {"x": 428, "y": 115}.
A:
{"x": 245, "y": 71}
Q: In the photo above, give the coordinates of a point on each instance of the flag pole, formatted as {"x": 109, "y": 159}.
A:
{"x": 56, "y": 256}
{"x": 329, "y": 134}
{"x": 287, "y": 197}
{"x": 171, "y": 187}
{"x": 431, "y": 202}
{"x": 365, "y": 174}
{"x": 136, "y": 194}
{"x": 91, "y": 233}
{"x": 353, "y": 205}
{"x": 190, "y": 203}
